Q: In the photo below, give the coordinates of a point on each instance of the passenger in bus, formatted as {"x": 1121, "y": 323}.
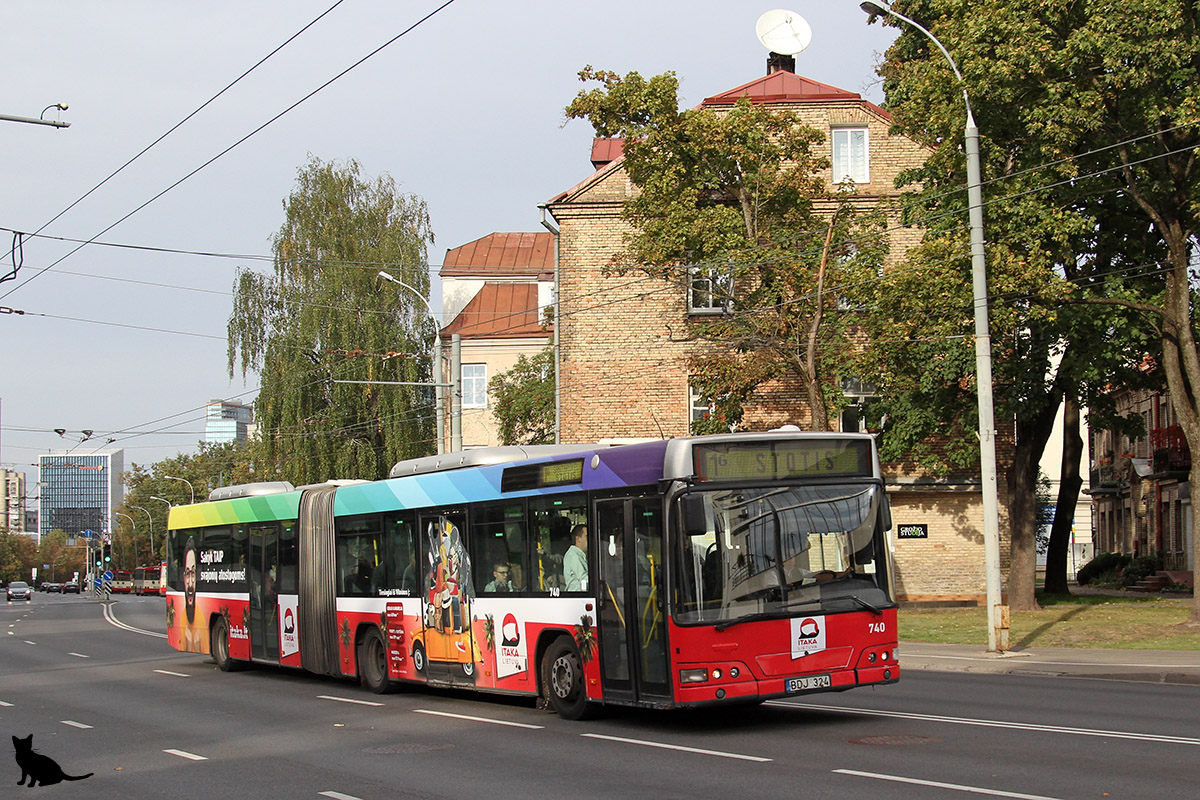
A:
{"x": 515, "y": 576}
{"x": 575, "y": 561}
{"x": 500, "y": 581}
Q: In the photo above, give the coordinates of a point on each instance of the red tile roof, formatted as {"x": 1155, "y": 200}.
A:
{"x": 501, "y": 310}
{"x": 502, "y": 254}
{"x": 787, "y": 87}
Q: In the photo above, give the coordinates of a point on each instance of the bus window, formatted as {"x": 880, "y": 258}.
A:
{"x": 287, "y": 581}
{"x": 498, "y": 548}
{"x": 359, "y": 552}
{"x": 401, "y": 575}
{"x": 553, "y": 517}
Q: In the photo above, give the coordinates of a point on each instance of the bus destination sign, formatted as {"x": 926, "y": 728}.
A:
{"x": 792, "y": 458}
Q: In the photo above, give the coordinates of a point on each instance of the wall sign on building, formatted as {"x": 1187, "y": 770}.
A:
{"x": 916, "y": 531}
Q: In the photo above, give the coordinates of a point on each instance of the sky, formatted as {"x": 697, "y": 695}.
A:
{"x": 464, "y": 110}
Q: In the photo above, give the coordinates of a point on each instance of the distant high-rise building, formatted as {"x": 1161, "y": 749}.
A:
{"x": 227, "y": 422}
{"x": 12, "y": 501}
{"x": 79, "y": 492}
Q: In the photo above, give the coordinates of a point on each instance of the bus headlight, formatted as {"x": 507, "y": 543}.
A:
{"x": 693, "y": 675}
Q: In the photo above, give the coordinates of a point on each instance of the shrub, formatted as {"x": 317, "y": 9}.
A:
{"x": 1103, "y": 564}
{"x": 1139, "y": 568}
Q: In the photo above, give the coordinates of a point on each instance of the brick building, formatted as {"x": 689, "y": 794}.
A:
{"x": 623, "y": 350}
{"x": 1141, "y": 496}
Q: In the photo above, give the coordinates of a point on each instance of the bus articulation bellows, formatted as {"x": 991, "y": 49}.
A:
{"x": 683, "y": 572}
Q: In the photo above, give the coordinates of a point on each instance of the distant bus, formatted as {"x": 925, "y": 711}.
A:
{"x": 150, "y": 580}
{"x": 711, "y": 570}
{"x": 122, "y": 582}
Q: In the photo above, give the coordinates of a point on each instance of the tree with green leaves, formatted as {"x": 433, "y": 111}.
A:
{"x": 18, "y": 555}
{"x": 733, "y": 204}
{"x": 1079, "y": 108}
{"x": 524, "y": 400}
{"x": 323, "y": 331}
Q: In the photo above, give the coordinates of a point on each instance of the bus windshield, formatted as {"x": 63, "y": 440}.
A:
{"x": 765, "y": 552}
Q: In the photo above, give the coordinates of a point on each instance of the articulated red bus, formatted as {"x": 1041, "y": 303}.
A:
{"x": 709, "y": 570}
{"x": 150, "y": 580}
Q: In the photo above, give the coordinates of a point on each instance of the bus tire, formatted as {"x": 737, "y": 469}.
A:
{"x": 218, "y": 645}
{"x": 418, "y": 658}
{"x": 468, "y": 668}
{"x": 373, "y": 664}
{"x": 563, "y": 681}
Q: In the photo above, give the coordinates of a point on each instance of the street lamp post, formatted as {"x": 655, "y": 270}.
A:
{"x": 131, "y": 522}
{"x": 438, "y": 383}
{"x": 997, "y": 612}
{"x": 147, "y": 513}
{"x": 191, "y": 493}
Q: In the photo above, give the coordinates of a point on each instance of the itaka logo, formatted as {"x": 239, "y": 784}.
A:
{"x": 510, "y": 632}
{"x": 809, "y": 629}
{"x": 289, "y": 622}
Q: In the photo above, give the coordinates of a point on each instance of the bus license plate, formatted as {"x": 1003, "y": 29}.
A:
{"x": 808, "y": 682}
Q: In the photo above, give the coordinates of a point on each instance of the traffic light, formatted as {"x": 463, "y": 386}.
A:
{"x": 107, "y": 557}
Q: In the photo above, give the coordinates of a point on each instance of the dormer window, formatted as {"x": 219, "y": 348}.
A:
{"x": 851, "y": 155}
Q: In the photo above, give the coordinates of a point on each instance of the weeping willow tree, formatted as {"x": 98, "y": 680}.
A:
{"x": 323, "y": 317}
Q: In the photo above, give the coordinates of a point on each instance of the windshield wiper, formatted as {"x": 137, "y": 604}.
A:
{"x": 876, "y": 611}
{"x": 782, "y": 612}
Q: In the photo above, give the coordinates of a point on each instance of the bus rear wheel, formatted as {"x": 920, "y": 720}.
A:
{"x": 563, "y": 681}
{"x": 372, "y": 664}
{"x": 219, "y": 646}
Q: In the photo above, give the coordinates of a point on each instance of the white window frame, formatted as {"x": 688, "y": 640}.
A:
{"x": 846, "y": 162}
{"x": 717, "y": 297}
{"x": 699, "y": 406}
{"x": 473, "y": 386}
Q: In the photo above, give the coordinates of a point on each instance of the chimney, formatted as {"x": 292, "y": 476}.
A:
{"x": 777, "y": 62}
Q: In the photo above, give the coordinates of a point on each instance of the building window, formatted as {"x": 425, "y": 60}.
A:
{"x": 710, "y": 290}
{"x": 474, "y": 385}
{"x": 851, "y": 155}
{"x": 702, "y": 407}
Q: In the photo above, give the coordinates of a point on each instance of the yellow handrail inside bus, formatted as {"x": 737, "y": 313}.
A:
{"x": 649, "y": 628}
{"x": 616, "y": 605}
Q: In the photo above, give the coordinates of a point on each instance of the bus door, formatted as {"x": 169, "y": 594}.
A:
{"x": 262, "y": 576}
{"x": 447, "y": 651}
{"x": 632, "y": 621}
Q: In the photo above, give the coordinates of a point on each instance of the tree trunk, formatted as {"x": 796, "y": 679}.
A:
{"x": 1032, "y": 435}
{"x": 1070, "y": 483}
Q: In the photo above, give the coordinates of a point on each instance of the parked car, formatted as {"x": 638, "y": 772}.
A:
{"x": 70, "y": 587}
{"x": 19, "y": 590}
{"x": 52, "y": 587}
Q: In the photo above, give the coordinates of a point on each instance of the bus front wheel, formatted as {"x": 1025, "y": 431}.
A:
{"x": 372, "y": 664}
{"x": 563, "y": 681}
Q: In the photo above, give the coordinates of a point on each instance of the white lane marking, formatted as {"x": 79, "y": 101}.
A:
{"x": 74, "y": 724}
{"x": 697, "y": 750}
{"x": 186, "y": 754}
{"x": 173, "y": 674}
{"x": 5, "y": 705}
{"x": 987, "y": 723}
{"x": 116, "y": 623}
{"x": 938, "y": 784}
{"x": 78, "y": 655}
{"x": 1037, "y": 662}
{"x": 478, "y": 719}
{"x": 348, "y": 700}
{"x": 338, "y": 796}
{"x": 29, "y": 642}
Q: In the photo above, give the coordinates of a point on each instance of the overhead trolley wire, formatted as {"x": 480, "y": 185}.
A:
{"x": 240, "y": 141}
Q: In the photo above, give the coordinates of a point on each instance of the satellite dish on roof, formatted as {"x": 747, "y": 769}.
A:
{"x": 784, "y": 32}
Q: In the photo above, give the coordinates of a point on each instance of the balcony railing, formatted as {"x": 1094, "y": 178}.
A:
{"x": 1170, "y": 449}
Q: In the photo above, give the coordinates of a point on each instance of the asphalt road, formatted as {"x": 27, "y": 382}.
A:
{"x": 103, "y": 692}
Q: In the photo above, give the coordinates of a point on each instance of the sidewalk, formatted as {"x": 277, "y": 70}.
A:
{"x": 1154, "y": 666}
